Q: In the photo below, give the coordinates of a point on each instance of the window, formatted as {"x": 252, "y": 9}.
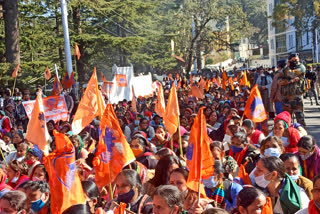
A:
{"x": 281, "y": 43}
{"x": 291, "y": 41}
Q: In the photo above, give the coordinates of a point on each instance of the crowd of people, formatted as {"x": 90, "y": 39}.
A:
{"x": 257, "y": 168}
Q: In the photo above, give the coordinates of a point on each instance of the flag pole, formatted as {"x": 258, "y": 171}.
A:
{"x": 180, "y": 141}
{"x": 14, "y": 85}
{"x": 3, "y": 157}
{"x": 45, "y": 85}
{"x": 76, "y": 71}
{"x": 172, "y": 142}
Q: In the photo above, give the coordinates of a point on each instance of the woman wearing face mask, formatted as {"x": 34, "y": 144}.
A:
{"x": 230, "y": 165}
{"x": 162, "y": 173}
{"x": 17, "y": 174}
{"x": 285, "y": 194}
{"x": 223, "y": 192}
{"x": 252, "y": 201}
{"x": 39, "y": 173}
{"x": 288, "y": 135}
{"x": 292, "y": 167}
{"x": 128, "y": 186}
{"x": 309, "y": 156}
{"x": 142, "y": 150}
{"x": 19, "y": 155}
{"x": 271, "y": 146}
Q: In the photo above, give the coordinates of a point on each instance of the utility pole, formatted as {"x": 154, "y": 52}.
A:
{"x": 193, "y": 36}
{"x": 67, "y": 50}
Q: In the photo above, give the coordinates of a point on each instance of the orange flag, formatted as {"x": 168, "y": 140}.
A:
{"x": 196, "y": 92}
{"x": 134, "y": 102}
{"x": 47, "y": 73}
{"x": 91, "y": 105}
{"x": 244, "y": 80}
{"x": 103, "y": 77}
{"x": 199, "y": 156}
{"x": 77, "y": 51}
{"x": 244, "y": 175}
{"x": 15, "y": 72}
{"x": 113, "y": 152}
{"x": 224, "y": 79}
{"x": 121, "y": 209}
{"x": 37, "y": 132}
{"x": 57, "y": 88}
{"x": 65, "y": 184}
{"x": 67, "y": 81}
{"x": 254, "y": 109}
{"x": 172, "y": 112}
{"x": 160, "y": 105}
{"x": 231, "y": 83}
{"x": 267, "y": 208}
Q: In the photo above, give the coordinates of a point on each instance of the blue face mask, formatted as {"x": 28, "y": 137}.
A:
{"x": 210, "y": 182}
{"x": 272, "y": 152}
{"x": 294, "y": 177}
{"x": 251, "y": 176}
{"x": 236, "y": 149}
{"x": 126, "y": 197}
{"x": 36, "y": 206}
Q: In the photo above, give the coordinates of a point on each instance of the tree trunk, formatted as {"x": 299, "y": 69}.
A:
{"x": 12, "y": 37}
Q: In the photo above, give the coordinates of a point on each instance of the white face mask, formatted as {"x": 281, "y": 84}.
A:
{"x": 252, "y": 177}
{"x": 294, "y": 177}
{"x": 261, "y": 181}
{"x": 272, "y": 152}
{"x": 285, "y": 141}
{"x": 15, "y": 179}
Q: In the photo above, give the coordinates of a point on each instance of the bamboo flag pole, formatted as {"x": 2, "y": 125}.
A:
{"x": 14, "y": 85}
{"x": 180, "y": 141}
{"x": 76, "y": 71}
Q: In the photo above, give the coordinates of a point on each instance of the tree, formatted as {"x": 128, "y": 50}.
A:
{"x": 11, "y": 31}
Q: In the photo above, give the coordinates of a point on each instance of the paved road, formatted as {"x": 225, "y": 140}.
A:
{"x": 312, "y": 116}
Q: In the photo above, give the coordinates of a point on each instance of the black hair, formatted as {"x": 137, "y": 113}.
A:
{"x": 16, "y": 199}
{"x": 307, "y": 142}
{"x": 286, "y": 156}
{"x": 215, "y": 210}
{"x": 315, "y": 179}
{"x": 161, "y": 176}
{"x": 247, "y": 196}
{"x": 132, "y": 178}
{"x": 78, "y": 208}
{"x": 42, "y": 186}
{"x": 92, "y": 191}
{"x": 182, "y": 171}
{"x": 274, "y": 164}
{"x": 248, "y": 123}
{"x": 218, "y": 167}
{"x": 217, "y": 144}
{"x": 241, "y": 135}
{"x": 171, "y": 195}
{"x": 163, "y": 152}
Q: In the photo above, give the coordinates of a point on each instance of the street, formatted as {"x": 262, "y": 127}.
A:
{"x": 312, "y": 115}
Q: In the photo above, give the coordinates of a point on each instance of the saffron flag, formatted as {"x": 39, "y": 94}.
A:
{"x": 91, "y": 105}
{"x": 199, "y": 157}
{"x": 224, "y": 79}
{"x": 244, "y": 175}
{"x": 37, "y": 132}
{"x": 160, "y": 105}
{"x": 68, "y": 82}
{"x": 254, "y": 109}
{"x": 267, "y": 208}
{"x": 113, "y": 151}
{"x": 107, "y": 87}
{"x": 47, "y": 73}
{"x": 57, "y": 88}
{"x": 65, "y": 184}
{"x": 134, "y": 102}
{"x": 77, "y": 51}
{"x": 103, "y": 78}
{"x": 244, "y": 80}
{"x": 172, "y": 112}
{"x": 231, "y": 83}
{"x": 121, "y": 80}
{"x": 15, "y": 72}
{"x": 196, "y": 92}
{"x": 121, "y": 209}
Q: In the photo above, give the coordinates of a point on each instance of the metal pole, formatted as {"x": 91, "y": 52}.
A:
{"x": 67, "y": 50}
{"x": 193, "y": 36}
{"x": 317, "y": 46}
